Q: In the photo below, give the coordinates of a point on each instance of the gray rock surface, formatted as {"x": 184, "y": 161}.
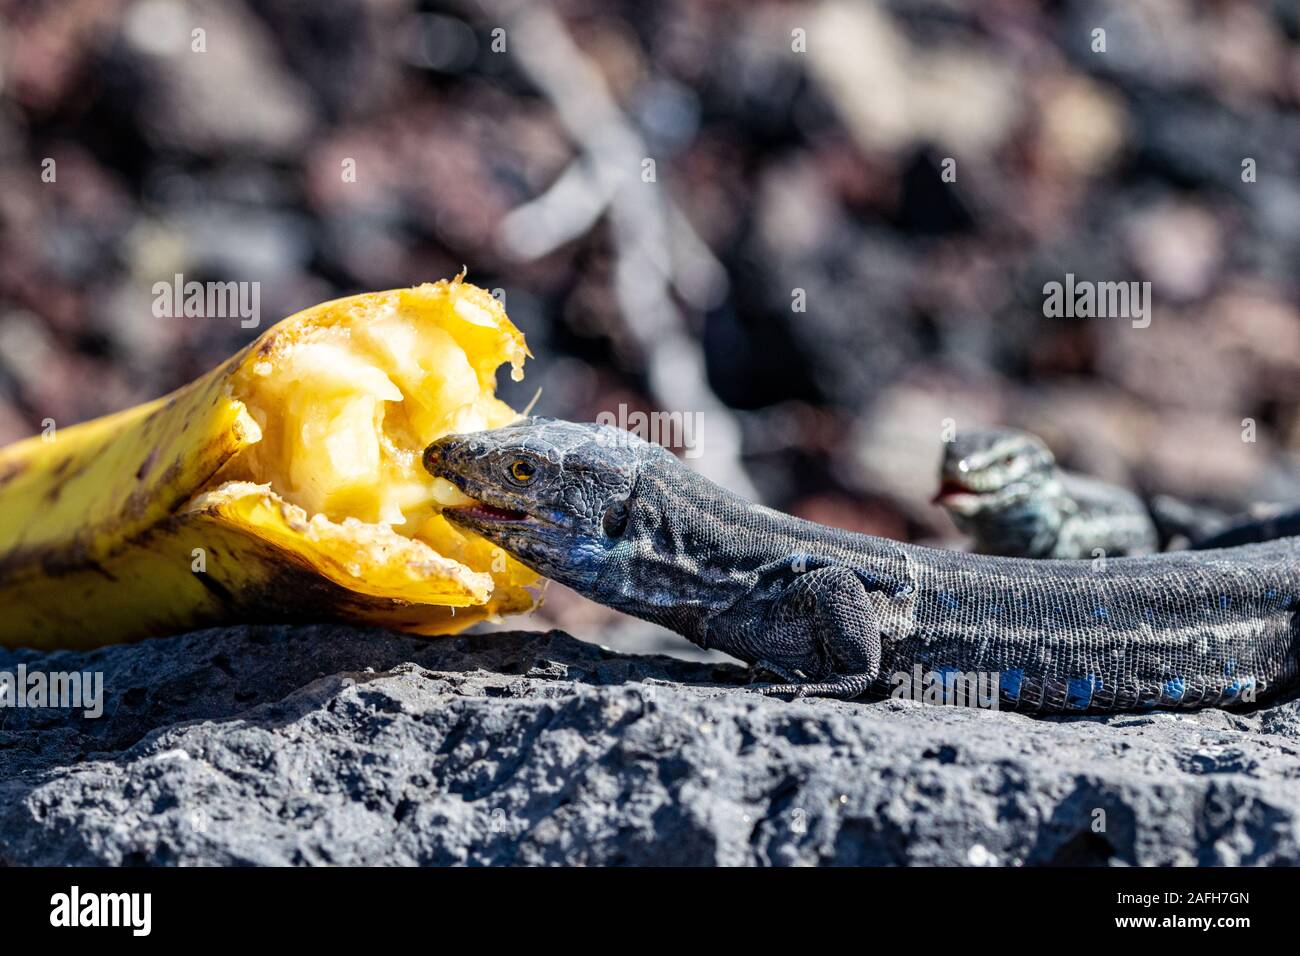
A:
{"x": 335, "y": 745}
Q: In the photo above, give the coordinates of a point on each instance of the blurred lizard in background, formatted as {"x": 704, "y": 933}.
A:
{"x": 1002, "y": 486}
{"x": 1275, "y": 522}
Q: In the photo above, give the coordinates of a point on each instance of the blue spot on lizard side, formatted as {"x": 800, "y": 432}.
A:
{"x": 1079, "y": 691}
{"x": 1174, "y": 689}
{"x": 1009, "y": 683}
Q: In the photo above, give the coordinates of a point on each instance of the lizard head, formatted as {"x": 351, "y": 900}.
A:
{"x": 990, "y": 469}
{"x": 555, "y": 494}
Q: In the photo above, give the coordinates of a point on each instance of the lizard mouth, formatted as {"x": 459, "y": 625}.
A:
{"x": 480, "y": 511}
{"x": 951, "y": 489}
{"x": 960, "y": 498}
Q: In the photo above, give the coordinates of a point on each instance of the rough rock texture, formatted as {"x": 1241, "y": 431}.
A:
{"x": 328, "y": 744}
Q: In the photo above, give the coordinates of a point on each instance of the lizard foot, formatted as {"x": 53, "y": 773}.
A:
{"x": 845, "y": 687}
{"x": 766, "y": 666}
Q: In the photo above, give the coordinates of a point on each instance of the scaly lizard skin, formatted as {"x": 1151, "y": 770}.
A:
{"x": 1003, "y": 488}
{"x": 839, "y": 614}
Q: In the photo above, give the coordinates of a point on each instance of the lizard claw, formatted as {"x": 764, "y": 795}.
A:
{"x": 761, "y": 666}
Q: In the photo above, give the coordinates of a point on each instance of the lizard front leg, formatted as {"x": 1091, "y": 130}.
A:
{"x": 821, "y": 626}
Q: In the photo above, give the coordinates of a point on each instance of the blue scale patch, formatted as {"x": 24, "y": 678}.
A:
{"x": 1079, "y": 691}
{"x": 1101, "y": 613}
{"x": 1174, "y": 689}
{"x": 1009, "y": 683}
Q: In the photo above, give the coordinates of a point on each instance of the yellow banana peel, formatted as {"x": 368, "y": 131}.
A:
{"x": 283, "y": 485}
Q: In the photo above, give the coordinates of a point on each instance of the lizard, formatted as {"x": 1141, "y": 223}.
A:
{"x": 835, "y": 613}
{"x": 1003, "y": 487}
{"x": 1250, "y": 529}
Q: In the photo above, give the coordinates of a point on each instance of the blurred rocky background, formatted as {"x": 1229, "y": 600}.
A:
{"x": 735, "y": 209}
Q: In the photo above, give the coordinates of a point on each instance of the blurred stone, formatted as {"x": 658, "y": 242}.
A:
{"x": 894, "y": 94}
{"x": 230, "y": 95}
{"x": 1249, "y": 55}
{"x": 1083, "y": 125}
{"x": 1178, "y": 247}
{"x": 1197, "y": 454}
{"x": 1174, "y": 362}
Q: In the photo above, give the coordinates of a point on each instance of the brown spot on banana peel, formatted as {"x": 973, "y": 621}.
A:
{"x": 53, "y": 563}
{"x": 76, "y": 555}
{"x": 143, "y": 470}
{"x": 11, "y": 471}
{"x": 139, "y": 501}
{"x": 218, "y": 590}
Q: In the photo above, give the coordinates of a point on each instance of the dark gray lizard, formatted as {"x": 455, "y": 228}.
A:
{"x": 1003, "y": 488}
{"x": 835, "y": 613}
{"x": 1251, "y": 529}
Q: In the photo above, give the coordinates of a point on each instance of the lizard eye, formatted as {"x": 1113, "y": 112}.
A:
{"x": 522, "y": 470}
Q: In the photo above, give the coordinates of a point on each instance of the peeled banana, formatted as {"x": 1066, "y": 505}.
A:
{"x": 283, "y": 485}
